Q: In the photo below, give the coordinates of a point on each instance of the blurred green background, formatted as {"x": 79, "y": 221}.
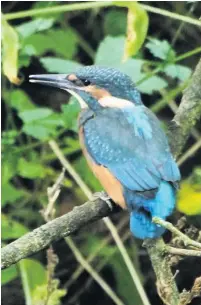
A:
{"x": 159, "y": 53}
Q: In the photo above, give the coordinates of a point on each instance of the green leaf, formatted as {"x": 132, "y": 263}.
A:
{"x": 31, "y": 170}
{"x": 10, "y": 47}
{"x": 114, "y": 59}
{"x": 35, "y": 114}
{"x": 71, "y": 145}
{"x": 20, "y": 101}
{"x": 9, "y": 166}
{"x": 40, "y": 294}
{"x": 10, "y": 194}
{"x": 62, "y": 43}
{"x": 132, "y": 67}
{"x": 70, "y": 113}
{"x": 53, "y": 120}
{"x": 12, "y": 229}
{"x": 115, "y": 22}
{"x": 36, "y": 44}
{"x": 161, "y": 49}
{"x": 38, "y": 131}
{"x": 137, "y": 27}
{"x": 24, "y": 60}
{"x": 53, "y": 64}
{"x": 33, "y": 275}
{"x": 154, "y": 83}
{"x": 28, "y": 28}
{"x": 8, "y": 274}
{"x": 178, "y": 71}
{"x": 104, "y": 56}
{"x": 40, "y": 123}
{"x": 9, "y": 137}
{"x": 35, "y": 284}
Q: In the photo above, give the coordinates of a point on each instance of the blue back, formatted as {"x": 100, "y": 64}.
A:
{"x": 131, "y": 144}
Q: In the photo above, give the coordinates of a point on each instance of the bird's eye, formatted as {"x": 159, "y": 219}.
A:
{"x": 86, "y": 82}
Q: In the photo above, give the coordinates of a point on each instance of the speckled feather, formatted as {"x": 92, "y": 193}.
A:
{"x": 116, "y": 82}
{"x": 131, "y": 143}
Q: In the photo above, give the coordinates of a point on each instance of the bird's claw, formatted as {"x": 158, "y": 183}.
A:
{"x": 103, "y": 196}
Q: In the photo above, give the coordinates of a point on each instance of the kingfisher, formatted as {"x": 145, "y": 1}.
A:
{"x": 123, "y": 143}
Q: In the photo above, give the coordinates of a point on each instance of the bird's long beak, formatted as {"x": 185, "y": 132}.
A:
{"x": 53, "y": 80}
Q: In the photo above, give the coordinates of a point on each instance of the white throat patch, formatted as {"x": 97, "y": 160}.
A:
{"x": 111, "y": 101}
{"x": 80, "y": 100}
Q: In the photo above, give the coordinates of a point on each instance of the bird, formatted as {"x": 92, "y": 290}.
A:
{"x": 123, "y": 143}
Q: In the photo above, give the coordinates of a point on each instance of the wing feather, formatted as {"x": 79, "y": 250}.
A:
{"x": 132, "y": 145}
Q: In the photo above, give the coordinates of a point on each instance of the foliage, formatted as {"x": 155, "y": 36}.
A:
{"x": 55, "y": 43}
{"x": 137, "y": 27}
{"x": 8, "y": 275}
{"x": 35, "y": 284}
{"x": 189, "y": 195}
{"x": 111, "y": 258}
{"x": 10, "y": 51}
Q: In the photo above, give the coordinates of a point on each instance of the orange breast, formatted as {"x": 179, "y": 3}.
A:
{"x": 110, "y": 184}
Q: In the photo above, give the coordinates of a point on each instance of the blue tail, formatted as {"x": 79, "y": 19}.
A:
{"x": 142, "y": 227}
{"x": 144, "y": 209}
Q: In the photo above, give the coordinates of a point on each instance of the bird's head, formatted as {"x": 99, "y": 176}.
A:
{"x": 91, "y": 84}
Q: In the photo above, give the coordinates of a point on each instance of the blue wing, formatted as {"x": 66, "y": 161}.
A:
{"x": 132, "y": 145}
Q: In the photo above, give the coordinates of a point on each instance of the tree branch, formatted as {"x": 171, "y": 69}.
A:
{"x": 188, "y": 114}
{"x": 60, "y": 227}
{"x": 184, "y": 238}
{"x": 182, "y": 252}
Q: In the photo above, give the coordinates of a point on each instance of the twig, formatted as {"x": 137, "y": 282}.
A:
{"x": 182, "y": 252}
{"x": 49, "y": 213}
{"x": 52, "y": 261}
{"x": 93, "y": 273}
{"x": 190, "y": 152}
{"x": 166, "y": 285}
{"x": 60, "y": 227}
{"x": 90, "y": 5}
{"x": 185, "y": 239}
{"x": 99, "y": 267}
{"x": 92, "y": 256}
{"x": 52, "y": 193}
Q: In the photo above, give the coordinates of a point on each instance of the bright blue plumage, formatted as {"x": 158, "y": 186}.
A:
{"x": 125, "y": 141}
{"x": 134, "y": 148}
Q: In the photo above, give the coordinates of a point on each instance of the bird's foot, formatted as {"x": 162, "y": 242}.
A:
{"x": 104, "y": 196}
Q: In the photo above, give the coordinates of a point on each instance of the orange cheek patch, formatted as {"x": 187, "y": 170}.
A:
{"x": 72, "y": 77}
{"x": 97, "y": 93}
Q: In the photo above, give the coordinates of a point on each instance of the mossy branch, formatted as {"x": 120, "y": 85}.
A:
{"x": 188, "y": 113}
{"x": 54, "y": 230}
